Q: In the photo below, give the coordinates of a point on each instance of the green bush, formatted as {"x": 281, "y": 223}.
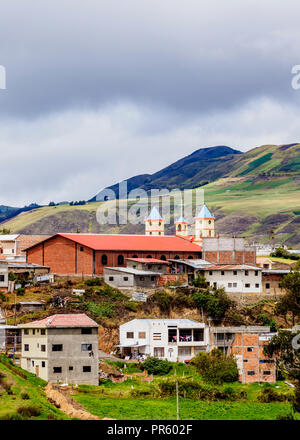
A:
{"x": 29, "y": 411}
{"x": 268, "y": 395}
{"x": 157, "y": 366}
{"x": 2, "y": 296}
{"x": 25, "y": 396}
{"x": 215, "y": 303}
{"x": 20, "y": 291}
{"x": 94, "y": 282}
{"x": 163, "y": 300}
{"x": 215, "y": 367}
{"x": 200, "y": 281}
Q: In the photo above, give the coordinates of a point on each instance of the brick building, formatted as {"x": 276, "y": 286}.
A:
{"x": 247, "y": 345}
{"x": 71, "y": 254}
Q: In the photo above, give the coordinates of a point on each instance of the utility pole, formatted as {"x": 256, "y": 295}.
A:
{"x": 177, "y": 400}
{"x": 15, "y": 316}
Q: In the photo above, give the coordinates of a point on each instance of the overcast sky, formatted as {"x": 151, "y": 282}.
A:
{"x": 99, "y": 91}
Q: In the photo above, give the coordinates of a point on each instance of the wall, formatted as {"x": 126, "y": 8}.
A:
{"x": 229, "y": 250}
{"x": 240, "y": 279}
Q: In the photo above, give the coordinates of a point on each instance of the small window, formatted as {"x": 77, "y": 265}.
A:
{"x": 81, "y": 248}
{"x": 163, "y": 258}
{"x": 229, "y": 284}
{"x": 134, "y": 256}
{"x": 176, "y": 257}
{"x": 86, "y": 347}
{"x": 267, "y": 372}
{"x": 245, "y": 360}
{"x": 86, "y": 331}
{"x": 33, "y": 331}
{"x": 256, "y": 273}
{"x": 26, "y": 331}
{"x": 110, "y": 278}
{"x": 86, "y": 369}
{"x": 190, "y": 257}
{"x": 104, "y": 259}
{"x": 247, "y": 285}
{"x": 57, "y": 369}
{"x": 43, "y": 347}
{"x": 250, "y": 348}
{"x": 125, "y": 278}
{"x": 149, "y": 256}
{"x": 2, "y": 278}
{"x": 129, "y": 335}
{"x": 235, "y": 272}
{"x": 33, "y": 363}
{"x": 246, "y": 273}
{"x": 210, "y": 272}
{"x": 234, "y": 285}
{"x": 251, "y": 373}
{"x": 222, "y": 272}
{"x": 43, "y": 364}
{"x": 26, "y": 347}
{"x": 257, "y": 286}
{"x": 43, "y": 331}
{"x": 267, "y": 285}
{"x": 120, "y": 260}
{"x": 142, "y": 335}
{"x": 70, "y": 368}
{"x": 57, "y": 347}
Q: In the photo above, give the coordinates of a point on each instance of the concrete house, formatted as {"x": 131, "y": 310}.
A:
{"x": 171, "y": 339}
{"x": 62, "y": 348}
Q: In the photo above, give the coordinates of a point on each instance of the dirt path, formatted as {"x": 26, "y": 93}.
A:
{"x": 66, "y": 404}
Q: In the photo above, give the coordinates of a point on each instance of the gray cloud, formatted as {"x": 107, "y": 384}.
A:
{"x": 93, "y": 88}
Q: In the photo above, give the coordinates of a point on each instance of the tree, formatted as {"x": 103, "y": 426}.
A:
{"x": 286, "y": 347}
{"x": 290, "y": 302}
{"x": 214, "y": 302}
{"x": 216, "y": 367}
{"x": 200, "y": 281}
{"x": 157, "y": 366}
{"x": 51, "y": 204}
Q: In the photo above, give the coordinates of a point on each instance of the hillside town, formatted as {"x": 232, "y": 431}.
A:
{"x": 67, "y": 348}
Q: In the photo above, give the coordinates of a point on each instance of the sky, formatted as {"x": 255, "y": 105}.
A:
{"x": 99, "y": 91}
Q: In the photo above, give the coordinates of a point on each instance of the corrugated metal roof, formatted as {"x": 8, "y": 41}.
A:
{"x": 133, "y": 271}
{"x": 148, "y": 260}
{"x": 9, "y": 237}
{"x": 110, "y": 242}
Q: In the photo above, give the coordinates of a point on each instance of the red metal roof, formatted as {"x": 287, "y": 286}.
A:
{"x": 64, "y": 320}
{"x": 148, "y": 260}
{"x": 117, "y": 242}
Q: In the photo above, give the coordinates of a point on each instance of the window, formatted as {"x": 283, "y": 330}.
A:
{"x": 43, "y": 331}
{"x": 81, "y": 248}
{"x": 256, "y": 273}
{"x": 43, "y": 347}
{"x": 156, "y": 336}
{"x": 142, "y": 335}
{"x": 129, "y": 335}
{"x": 43, "y": 364}
{"x": 149, "y": 256}
{"x": 234, "y": 285}
{"x": 198, "y": 334}
{"x": 86, "y": 347}
{"x": 267, "y": 372}
{"x": 26, "y": 347}
{"x": 235, "y": 272}
{"x": 152, "y": 278}
{"x": 33, "y": 363}
{"x": 26, "y": 331}
{"x": 229, "y": 284}
{"x": 267, "y": 285}
{"x": 57, "y": 347}
{"x": 86, "y": 331}
{"x": 247, "y": 285}
{"x": 184, "y": 351}
{"x": 163, "y": 258}
{"x": 86, "y": 369}
{"x": 176, "y": 257}
{"x": 246, "y": 273}
{"x": 104, "y": 259}
{"x": 120, "y": 260}
{"x": 125, "y": 278}
{"x": 57, "y": 369}
{"x": 251, "y": 373}
{"x": 245, "y": 360}
{"x": 215, "y": 285}
{"x": 2, "y": 278}
{"x": 70, "y": 368}
{"x": 250, "y": 348}
{"x": 210, "y": 272}
{"x": 222, "y": 272}
{"x": 159, "y": 352}
{"x": 190, "y": 257}
{"x": 257, "y": 286}
{"x": 33, "y": 331}
{"x": 110, "y": 278}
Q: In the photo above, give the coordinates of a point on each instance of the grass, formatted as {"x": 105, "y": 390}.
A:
{"x": 33, "y": 386}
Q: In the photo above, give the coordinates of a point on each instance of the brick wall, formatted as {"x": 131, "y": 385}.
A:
{"x": 170, "y": 278}
{"x": 231, "y": 257}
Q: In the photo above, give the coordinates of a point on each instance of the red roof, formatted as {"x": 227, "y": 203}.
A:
{"x": 117, "y": 242}
{"x": 63, "y": 320}
{"x": 148, "y": 260}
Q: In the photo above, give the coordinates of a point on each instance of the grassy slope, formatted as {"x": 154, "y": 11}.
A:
{"x": 33, "y": 386}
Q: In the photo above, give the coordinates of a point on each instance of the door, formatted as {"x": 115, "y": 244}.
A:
{"x": 37, "y": 370}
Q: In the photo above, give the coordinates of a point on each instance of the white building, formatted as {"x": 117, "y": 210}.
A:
{"x": 171, "y": 339}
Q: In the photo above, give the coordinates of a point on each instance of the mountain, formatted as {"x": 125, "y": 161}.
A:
{"x": 254, "y": 194}
{"x": 7, "y": 212}
{"x": 199, "y": 168}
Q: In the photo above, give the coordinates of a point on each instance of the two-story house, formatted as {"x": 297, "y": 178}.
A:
{"x": 62, "y": 348}
{"x": 171, "y": 339}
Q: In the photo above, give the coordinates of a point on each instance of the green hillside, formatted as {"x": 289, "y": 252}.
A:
{"x": 256, "y": 196}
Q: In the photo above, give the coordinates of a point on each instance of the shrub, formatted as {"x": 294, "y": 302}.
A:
{"x": 268, "y": 394}
{"x": 157, "y": 366}
{"x": 215, "y": 367}
{"x": 163, "y": 300}
{"x": 25, "y": 396}
{"x": 200, "y": 281}
{"x": 20, "y": 291}
{"x": 140, "y": 393}
{"x": 93, "y": 282}
{"x": 29, "y": 411}
{"x": 215, "y": 303}
{"x": 2, "y": 296}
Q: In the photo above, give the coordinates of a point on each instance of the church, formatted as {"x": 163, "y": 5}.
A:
{"x": 89, "y": 254}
